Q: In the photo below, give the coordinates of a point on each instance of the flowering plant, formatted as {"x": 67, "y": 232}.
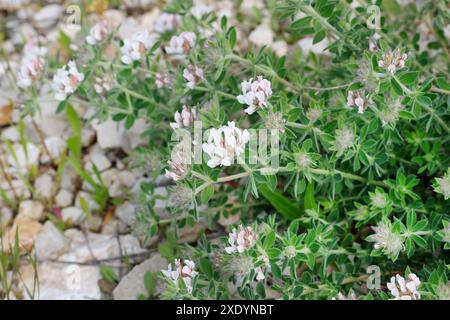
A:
{"x": 308, "y": 165}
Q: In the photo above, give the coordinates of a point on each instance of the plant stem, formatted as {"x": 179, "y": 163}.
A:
{"x": 223, "y": 179}
{"x": 431, "y": 111}
{"x": 135, "y": 94}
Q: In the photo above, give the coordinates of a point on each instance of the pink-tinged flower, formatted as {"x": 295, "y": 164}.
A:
{"x": 103, "y": 84}
{"x": 32, "y": 64}
{"x": 351, "y": 296}
{"x": 357, "y": 98}
{"x": 185, "y": 271}
{"x": 255, "y": 94}
{"x": 224, "y": 144}
{"x": 178, "y": 163}
{"x": 66, "y": 80}
{"x": 134, "y": 49}
{"x": 167, "y": 22}
{"x": 30, "y": 70}
{"x": 185, "y": 119}
{"x": 162, "y": 80}
{"x": 97, "y": 33}
{"x": 182, "y": 44}
{"x": 259, "y": 274}
{"x": 192, "y": 75}
{"x": 36, "y": 46}
{"x": 404, "y": 290}
{"x": 393, "y": 61}
{"x": 241, "y": 240}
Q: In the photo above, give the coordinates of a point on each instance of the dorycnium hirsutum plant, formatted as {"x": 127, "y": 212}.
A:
{"x": 360, "y": 133}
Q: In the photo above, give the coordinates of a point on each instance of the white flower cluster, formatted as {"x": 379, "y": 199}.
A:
{"x": 182, "y": 44}
{"x": 178, "y": 163}
{"x": 184, "y": 119}
{"x": 404, "y": 290}
{"x": 385, "y": 239}
{"x": 224, "y": 144}
{"x": 442, "y": 185}
{"x": 33, "y": 63}
{"x": 97, "y": 33}
{"x": 66, "y": 80}
{"x": 192, "y": 74}
{"x": 185, "y": 271}
{"x": 393, "y": 61}
{"x": 167, "y": 22}
{"x": 357, "y": 98}
{"x": 255, "y": 94}
{"x": 134, "y": 49}
{"x": 241, "y": 240}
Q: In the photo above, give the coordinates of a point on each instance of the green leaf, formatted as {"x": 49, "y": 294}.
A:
{"x": 319, "y": 36}
{"x": 207, "y": 193}
{"x": 310, "y": 200}
{"x": 206, "y": 267}
{"x": 410, "y": 247}
{"x": 108, "y": 274}
{"x": 260, "y": 290}
{"x": 150, "y": 283}
{"x": 269, "y": 240}
{"x": 283, "y": 205}
{"x": 232, "y": 37}
{"x": 420, "y": 241}
{"x": 409, "y": 78}
{"x": 396, "y": 86}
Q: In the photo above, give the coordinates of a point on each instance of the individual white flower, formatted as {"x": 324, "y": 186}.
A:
{"x": 185, "y": 271}
{"x": 255, "y": 93}
{"x": 393, "y": 61}
{"x": 167, "y": 22}
{"x": 224, "y": 144}
{"x": 199, "y": 11}
{"x": 192, "y": 75}
{"x": 185, "y": 119}
{"x": 442, "y": 185}
{"x": 66, "y": 80}
{"x": 162, "y": 80}
{"x": 178, "y": 163}
{"x": 30, "y": 71}
{"x": 357, "y": 98}
{"x": 97, "y": 33}
{"x": 404, "y": 290}
{"x": 182, "y": 44}
{"x": 389, "y": 242}
{"x": 103, "y": 84}
{"x": 259, "y": 274}
{"x": 134, "y": 49}
{"x": 241, "y": 240}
